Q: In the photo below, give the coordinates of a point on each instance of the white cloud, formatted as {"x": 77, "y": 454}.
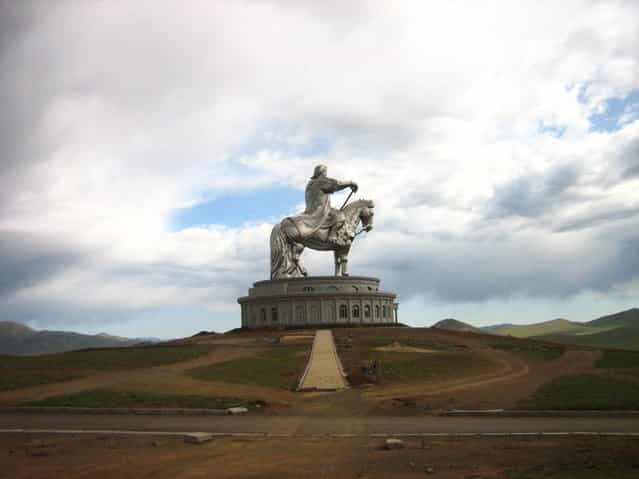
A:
{"x": 442, "y": 112}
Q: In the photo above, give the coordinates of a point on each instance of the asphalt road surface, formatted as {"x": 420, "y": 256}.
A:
{"x": 288, "y": 425}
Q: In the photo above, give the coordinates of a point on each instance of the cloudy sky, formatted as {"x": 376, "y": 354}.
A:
{"x": 148, "y": 147}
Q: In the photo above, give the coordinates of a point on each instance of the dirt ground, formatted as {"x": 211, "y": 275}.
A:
{"x": 503, "y": 379}
{"x": 125, "y": 457}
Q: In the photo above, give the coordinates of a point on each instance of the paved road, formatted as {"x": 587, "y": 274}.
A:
{"x": 324, "y": 372}
{"x": 316, "y": 425}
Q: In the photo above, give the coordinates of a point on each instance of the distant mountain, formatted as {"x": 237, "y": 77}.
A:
{"x": 451, "y": 324}
{"x": 16, "y": 338}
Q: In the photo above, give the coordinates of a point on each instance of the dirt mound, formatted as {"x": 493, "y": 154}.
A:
{"x": 397, "y": 347}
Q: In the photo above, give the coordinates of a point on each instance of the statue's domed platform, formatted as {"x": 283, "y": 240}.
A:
{"x": 317, "y": 300}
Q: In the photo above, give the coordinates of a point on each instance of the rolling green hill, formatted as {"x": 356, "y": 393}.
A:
{"x": 538, "y": 329}
{"x": 629, "y": 318}
{"x": 619, "y": 330}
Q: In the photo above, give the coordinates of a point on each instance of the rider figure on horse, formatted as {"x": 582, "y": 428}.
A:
{"x": 319, "y": 213}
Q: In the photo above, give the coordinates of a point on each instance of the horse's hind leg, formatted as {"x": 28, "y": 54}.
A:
{"x": 297, "y": 249}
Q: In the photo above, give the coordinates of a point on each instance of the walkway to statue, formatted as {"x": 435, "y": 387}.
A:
{"x": 324, "y": 370}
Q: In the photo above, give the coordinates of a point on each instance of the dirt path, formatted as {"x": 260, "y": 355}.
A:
{"x": 512, "y": 379}
{"x": 324, "y": 371}
{"x": 506, "y": 367}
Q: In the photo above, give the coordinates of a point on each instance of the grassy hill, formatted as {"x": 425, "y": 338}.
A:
{"x": 628, "y": 318}
{"x": 539, "y": 329}
{"x": 619, "y": 330}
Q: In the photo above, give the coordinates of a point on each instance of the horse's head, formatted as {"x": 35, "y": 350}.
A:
{"x": 360, "y": 211}
{"x": 366, "y": 214}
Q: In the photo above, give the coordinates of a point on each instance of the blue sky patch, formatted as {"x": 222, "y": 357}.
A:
{"x": 237, "y": 208}
{"x": 618, "y": 112}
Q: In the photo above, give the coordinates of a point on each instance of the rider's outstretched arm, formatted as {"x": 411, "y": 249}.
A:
{"x": 331, "y": 185}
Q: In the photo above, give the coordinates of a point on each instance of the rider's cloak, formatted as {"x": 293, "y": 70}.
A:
{"x": 318, "y": 210}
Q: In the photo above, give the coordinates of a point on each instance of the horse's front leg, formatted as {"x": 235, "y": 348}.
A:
{"x": 345, "y": 266}
{"x": 337, "y": 263}
{"x": 344, "y": 260}
{"x": 341, "y": 262}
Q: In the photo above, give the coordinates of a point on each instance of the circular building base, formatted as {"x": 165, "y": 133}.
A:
{"x": 318, "y": 300}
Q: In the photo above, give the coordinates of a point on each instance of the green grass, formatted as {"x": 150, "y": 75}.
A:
{"x": 617, "y": 337}
{"x": 417, "y": 367}
{"x": 618, "y": 359}
{"x": 24, "y": 371}
{"x": 109, "y": 398}
{"x": 540, "y": 355}
{"x": 530, "y": 350}
{"x": 280, "y": 367}
{"x": 585, "y": 392}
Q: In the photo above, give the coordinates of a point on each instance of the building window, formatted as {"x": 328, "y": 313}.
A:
{"x": 300, "y": 313}
{"x": 263, "y": 315}
{"x": 307, "y": 288}
{"x": 274, "y": 317}
{"x": 367, "y": 311}
{"x": 355, "y": 311}
{"x": 384, "y": 311}
{"x": 377, "y": 311}
{"x": 315, "y": 315}
{"x": 343, "y": 312}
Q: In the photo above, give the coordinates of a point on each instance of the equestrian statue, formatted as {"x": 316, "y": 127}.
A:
{"x": 319, "y": 227}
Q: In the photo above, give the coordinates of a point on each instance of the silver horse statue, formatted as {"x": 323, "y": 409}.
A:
{"x": 320, "y": 227}
{"x": 287, "y": 243}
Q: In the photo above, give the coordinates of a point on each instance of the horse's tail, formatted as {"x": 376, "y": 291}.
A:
{"x": 280, "y": 253}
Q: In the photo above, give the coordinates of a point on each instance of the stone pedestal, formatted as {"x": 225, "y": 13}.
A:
{"x": 318, "y": 300}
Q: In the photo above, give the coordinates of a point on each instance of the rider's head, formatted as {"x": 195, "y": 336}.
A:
{"x": 320, "y": 170}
